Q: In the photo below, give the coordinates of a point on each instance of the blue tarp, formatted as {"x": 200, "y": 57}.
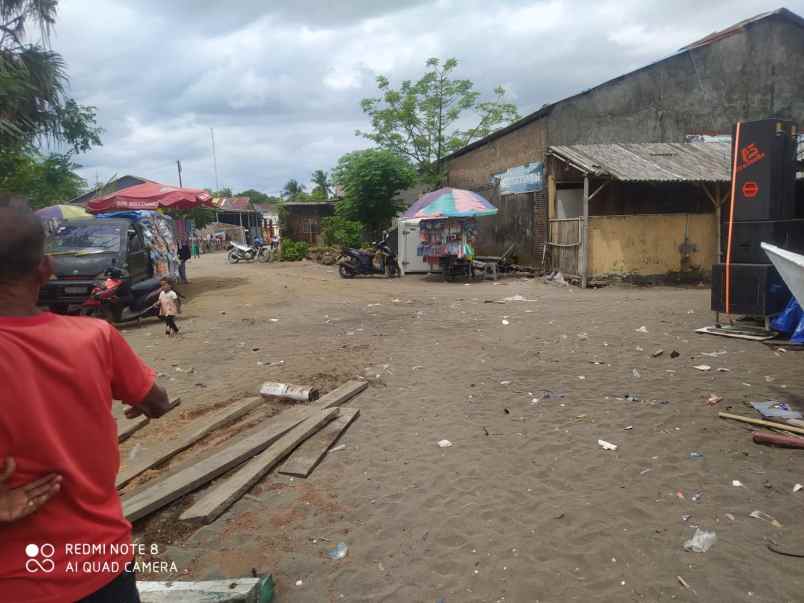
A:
{"x": 791, "y": 322}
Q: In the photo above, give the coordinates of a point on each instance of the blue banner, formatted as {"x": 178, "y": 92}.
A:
{"x": 522, "y": 179}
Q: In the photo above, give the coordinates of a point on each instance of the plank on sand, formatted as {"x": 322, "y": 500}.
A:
{"x": 305, "y": 458}
{"x": 126, "y": 426}
{"x": 186, "y": 438}
{"x": 245, "y": 590}
{"x": 164, "y": 491}
{"x": 228, "y": 492}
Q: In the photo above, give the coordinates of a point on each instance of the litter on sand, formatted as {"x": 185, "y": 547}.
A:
{"x": 505, "y": 322}
{"x": 636, "y": 373}
{"x": 737, "y": 483}
{"x": 339, "y": 552}
{"x": 657, "y": 353}
{"x": 702, "y": 367}
{"x": 642, "y": 329}
{"x": 338, "y": 448}
{"x": 765, "y": 517}
{"x": 797, "y": 488}
{"x": 674, "y": 354}
{"x": 701, "y": 541}
{"x": 444, "y": 443}
{"x": 714, "y": 399}
{"x": 773, "y": 409}
{"x": 606, "y": 445}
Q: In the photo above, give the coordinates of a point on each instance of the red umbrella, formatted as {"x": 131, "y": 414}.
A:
{"x": 151, "y": 195}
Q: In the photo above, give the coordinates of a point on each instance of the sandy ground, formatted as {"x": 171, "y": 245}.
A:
{"x": 525, "y": 506}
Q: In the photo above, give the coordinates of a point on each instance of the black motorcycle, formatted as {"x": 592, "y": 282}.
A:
{"x": 381, "y": 259}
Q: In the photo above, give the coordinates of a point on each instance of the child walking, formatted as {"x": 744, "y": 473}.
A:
{"x": 169, "y": 306}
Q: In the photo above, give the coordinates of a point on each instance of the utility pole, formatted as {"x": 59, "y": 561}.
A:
{"x": 178, "y": 167}
{"x": 214, "y": 158}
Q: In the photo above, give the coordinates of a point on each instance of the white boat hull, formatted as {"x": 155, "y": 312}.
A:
{"x": 790, "y": 267}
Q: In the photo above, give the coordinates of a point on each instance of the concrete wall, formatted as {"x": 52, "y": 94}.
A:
{"x": 651, "y": 245}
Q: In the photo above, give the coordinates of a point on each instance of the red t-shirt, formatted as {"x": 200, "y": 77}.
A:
{"x": 58, "y": 376}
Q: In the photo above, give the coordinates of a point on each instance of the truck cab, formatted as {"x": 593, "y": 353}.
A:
{"x": 82, "y": 250}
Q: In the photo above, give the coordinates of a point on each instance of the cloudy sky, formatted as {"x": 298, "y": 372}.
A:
{"x": 281, "y": 81}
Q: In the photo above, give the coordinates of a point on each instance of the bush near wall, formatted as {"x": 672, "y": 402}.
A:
{"x": 293, "y": 251}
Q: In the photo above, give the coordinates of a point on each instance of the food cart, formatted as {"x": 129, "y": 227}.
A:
{"x": 448, "y": 229}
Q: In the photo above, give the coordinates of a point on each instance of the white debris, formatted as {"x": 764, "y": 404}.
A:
{"x": 797, "y": 488}
{"x": 444, "y": 444}
{"x": 606, "y": 445}
{"x": 642, "y": 329}
{"x": 737, "y": 483}
{"x": 702, "y": 367}
{"x": 505, "y": 322}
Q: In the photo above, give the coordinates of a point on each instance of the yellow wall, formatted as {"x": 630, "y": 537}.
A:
{"x": 649, "y": 245}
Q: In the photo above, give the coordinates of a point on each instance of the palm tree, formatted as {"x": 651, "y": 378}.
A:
{"x": 33, "y": 81}
{"x": 292, "y": 189}
{"x": 322, "y": 187}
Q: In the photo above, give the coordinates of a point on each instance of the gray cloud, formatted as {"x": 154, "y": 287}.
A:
{"x": 280, "y": 82}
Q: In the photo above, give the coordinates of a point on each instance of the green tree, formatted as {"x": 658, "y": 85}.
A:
{"x": 43, "y": 180}
{"x": 258, "y": 197}
{"x": 292, "y": 190}
{"x": 340, "y": 232}
{"x": 225, "y": 192}
{"x": 34, "y": 110}
{"x": 419, "y": 121}
{"x": 371, "y": 180}
{"x": 321, "y": 185}
{"x": 33, "y": 105}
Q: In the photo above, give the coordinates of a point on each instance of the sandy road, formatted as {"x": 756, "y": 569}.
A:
{"x": 533, "y": 511}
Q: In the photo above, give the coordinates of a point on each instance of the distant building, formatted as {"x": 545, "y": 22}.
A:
{"x": 303, "y": 220}
{"x": 752, "y": 70}
{"x": 109, "y": 187}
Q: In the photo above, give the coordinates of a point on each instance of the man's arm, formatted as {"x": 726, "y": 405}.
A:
{"x": 154, "y": 405}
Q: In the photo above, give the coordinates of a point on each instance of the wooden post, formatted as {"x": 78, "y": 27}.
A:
{"x": 585, "y": 235}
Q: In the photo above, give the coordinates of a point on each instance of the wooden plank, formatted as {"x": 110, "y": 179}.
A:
{"x": 725, "y": 332}
{"x": 245, "y": 590}
{"x": 126, "y": 426}
{"x": 186, "y": 438}
{"x": 305, "y": 458}
{"x": 224, "y": 495}
{"x": 164, "y": 491}
{"x": 761, "y": 422}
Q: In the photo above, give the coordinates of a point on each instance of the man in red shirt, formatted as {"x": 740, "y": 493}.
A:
{"x": 63, "y": 536}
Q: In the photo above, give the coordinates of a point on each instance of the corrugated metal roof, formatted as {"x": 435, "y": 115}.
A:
{"x": 241, "y": 204}
{"x": 650, "y": 162}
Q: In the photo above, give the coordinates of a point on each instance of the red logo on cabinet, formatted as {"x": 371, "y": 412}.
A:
{"x": 750, "y": 189}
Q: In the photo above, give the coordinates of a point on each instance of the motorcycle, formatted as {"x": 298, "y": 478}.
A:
{"x": 116, "y": 300}
{"x": 247, "y": 253}
{"x": 381, "y": 259}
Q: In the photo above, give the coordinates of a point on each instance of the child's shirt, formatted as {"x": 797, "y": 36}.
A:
{"x": 168, "y": 303}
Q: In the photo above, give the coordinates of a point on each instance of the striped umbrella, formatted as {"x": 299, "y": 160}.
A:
{"x": 450, "y": 203}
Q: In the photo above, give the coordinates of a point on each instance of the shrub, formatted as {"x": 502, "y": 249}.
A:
{"x": 340, "y": 232}
{"x": 293, "y": 251}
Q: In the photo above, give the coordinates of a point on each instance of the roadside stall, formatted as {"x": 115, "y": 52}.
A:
{"x": 448, "y": 229}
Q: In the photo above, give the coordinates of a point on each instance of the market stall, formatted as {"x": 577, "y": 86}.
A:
{"x": 448, "y": 229}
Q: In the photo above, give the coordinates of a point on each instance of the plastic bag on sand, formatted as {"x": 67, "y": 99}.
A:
{"x": 788, "y": 320}
{"x": 701, "y": 541}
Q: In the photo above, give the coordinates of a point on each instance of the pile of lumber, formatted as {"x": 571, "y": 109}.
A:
{"x": 301, "y": 434}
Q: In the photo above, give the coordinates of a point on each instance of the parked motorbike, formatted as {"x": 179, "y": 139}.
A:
{"x": 381, "y": 259}
{"x": 115, "y": 299}
{"x": 246, "y": 253}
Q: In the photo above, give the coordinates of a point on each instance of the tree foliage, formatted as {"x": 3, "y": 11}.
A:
{"x": 34, "y": 110}
{"x": 371, "y": 181}
{"x": 33, "y": 80}
{"x": 420, "y": 120}
{"x": 340, "y": 232}
{"x": 292, "y": 190}
{"x": 258, "y": 197}
{"x": 43, "y": 180}
{"x": 321, "y": 185}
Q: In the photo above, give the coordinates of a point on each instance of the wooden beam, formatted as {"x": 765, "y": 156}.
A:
{"x": 305, "y": 458}
{"x": 240, "y": 590}
{"x": 709, "y": 194}
{"x": 598, "y": 189}
{"x": 224, "y": 495}
{"x": 154, "y": 496}
{"x": 761, "y": 422}
{"x": 184, "y": 439}
{"x": 584, "y": 250}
